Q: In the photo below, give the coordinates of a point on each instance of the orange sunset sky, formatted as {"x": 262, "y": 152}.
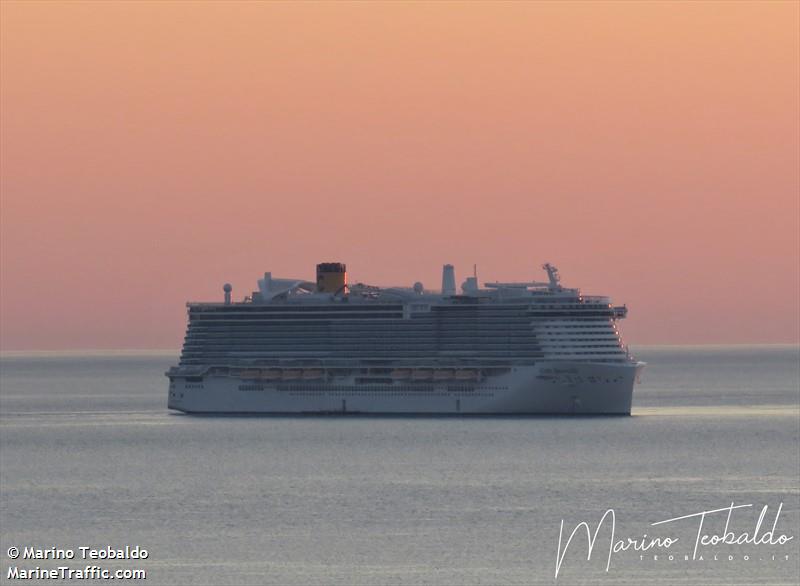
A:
{"x": 151, "y": 151}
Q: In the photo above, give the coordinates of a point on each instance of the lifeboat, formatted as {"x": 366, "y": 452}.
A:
{"x": 422, "y": 374}
{"x": 312, "y": 373}
{"x": 250, "y": 373}
{"x": 442, "y": 374}
{"x": 272, "y": 374}
{"x": 292, "y": 374}
{"x": 401, "y": 373}
{"x": 467, "y": 374}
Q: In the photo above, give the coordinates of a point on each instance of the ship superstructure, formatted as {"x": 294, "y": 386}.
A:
{"x": 326, "y": 346}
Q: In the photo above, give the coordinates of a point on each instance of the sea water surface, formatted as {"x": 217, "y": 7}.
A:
{"x": 90, "y": 456}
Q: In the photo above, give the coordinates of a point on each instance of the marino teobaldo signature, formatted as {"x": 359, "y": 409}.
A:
{"x": 646, "y": 544}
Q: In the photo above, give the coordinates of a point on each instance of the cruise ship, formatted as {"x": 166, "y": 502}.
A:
{"x": 295, "y": 346}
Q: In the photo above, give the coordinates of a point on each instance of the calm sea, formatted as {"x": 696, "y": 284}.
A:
{"x": 90, "y": 456}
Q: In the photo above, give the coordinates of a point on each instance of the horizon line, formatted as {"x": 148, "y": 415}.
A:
{"x": 177, "y": 351}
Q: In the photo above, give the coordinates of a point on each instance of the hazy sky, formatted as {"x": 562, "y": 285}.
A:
{"x": 151, "y": 151}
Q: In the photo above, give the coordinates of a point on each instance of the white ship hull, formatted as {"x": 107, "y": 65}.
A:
{"x": 558, "y": 387}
